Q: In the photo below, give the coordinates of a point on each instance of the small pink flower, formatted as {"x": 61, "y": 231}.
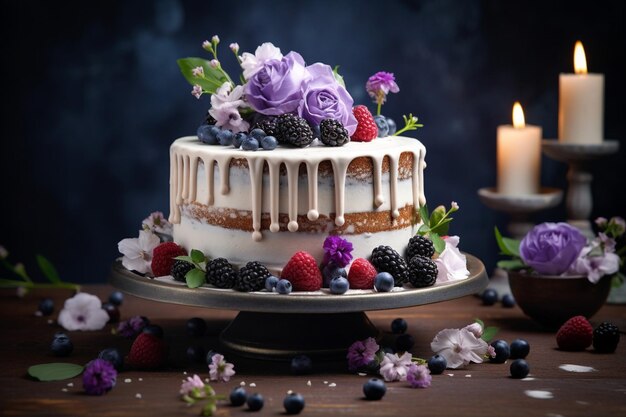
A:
{"x": 196, "y": 91}
{"x": 475, "y": 328}
{"x": 394, "y": 367}
{"x": 381, "y": 84}
{"x": 214, "y": 63}
{"x": 491, "y": 351}
{"x": 215, "y": 39}
{"x": 156, "y": 222}
{"x": 454, "y": 205}
{"x": 419, "y": 376}
{"x": 234, "y": 47}
{"x": 459, "y": 347}
{"x": 601, "y": 221}
{"x": 219, "y": 369}
{"x": 197, "y": 71}
{"x": 361, "y": 353}
{"x": 207, "y": 46}
{"x": 192, "y": 383}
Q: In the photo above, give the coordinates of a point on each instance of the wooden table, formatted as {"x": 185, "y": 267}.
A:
{"x": 478, "y": 390}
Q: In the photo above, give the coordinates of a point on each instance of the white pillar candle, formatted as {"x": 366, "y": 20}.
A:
{"x": 518, "y": 156}
{"x": 581, "y": 103}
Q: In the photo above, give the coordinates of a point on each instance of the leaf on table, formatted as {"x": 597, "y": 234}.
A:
{"x": 56, "y": 371}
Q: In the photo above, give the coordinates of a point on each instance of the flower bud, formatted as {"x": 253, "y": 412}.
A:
{"x": 214, "y": 63}
{"x": 207, "y": 46}
{"x": 215, "y": 39}
{"x": 475, "y": 328}
{"x": 619, "y": 226}
{"x": 234, "y": 47}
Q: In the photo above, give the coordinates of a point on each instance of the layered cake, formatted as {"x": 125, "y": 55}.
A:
{"x": 266, "y": 205}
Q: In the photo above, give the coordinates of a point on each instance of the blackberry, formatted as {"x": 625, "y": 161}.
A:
{"x": 209, "y": 120}
{"x": 332, "y": 133}
{"x": 220, "y": 273}
{"x": 293, "y": 130}
{"x": 252, "y": 277}
{"x": 420, "y": 245}
{"x": 180, "y": 269}
{"x": 422, "y": 272}
{"x": 606, "y": 337}
{"x": 268, "y": 126}
{"x": 385, "y": 259}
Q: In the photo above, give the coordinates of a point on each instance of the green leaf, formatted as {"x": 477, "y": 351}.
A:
{"x": 507, "y": 245}
{"x": 479, "y": 321}
{"x": 195, "y": 278}
{"x": 213, "y": 78}
{"x": 511, "y": 264}
{"x": 197, "y": 256}
{"x": 48, "y": 269}
{"x": 423, "y": 230}
{"x": 184, "y": 258}
{"x": 338, "y": 77}
{"x": 442, "y": 228}
{"x": 489, "y": 333}
{"x": 437, "y": 215}
{"x": 423, "y": 211}
{"x": 55, "y": 371}
{"x": 438, "y": 242}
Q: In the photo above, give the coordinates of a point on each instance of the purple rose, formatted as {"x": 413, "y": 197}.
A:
{"x": 550, "y": 248}
{"x": 277, "y": 87}
{"x": 324, "y": 98}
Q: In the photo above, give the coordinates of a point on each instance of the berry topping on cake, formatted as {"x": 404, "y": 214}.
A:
{"x": 339, "y": 285}
{"x": 575, "y": 334}
{"x": 391, "y": 124}
{"x": 383, "y": 282}
{"x": 332, "y": 133}
{"x": 422, "y": 271}
{"x": 302, "y": 272}
{"x": 386, "y": 259}
{"x": 163, "y": 258}
{"x": 366, "y": 128}
{"x": 268, "y": 126}
{"x": 147, "y": 352}
{"x": 606, "y": 338}
{"x": 269, "y": 143}
{"x": 381, "y": 123}
{"x": 362, "y": 274}
{"x": 180, "y": 269}
{"x": 220, "y": 273}
{"x": 293, "y": 130}
{"x": 420, "y": 245}
{"x": 252, "y": 277}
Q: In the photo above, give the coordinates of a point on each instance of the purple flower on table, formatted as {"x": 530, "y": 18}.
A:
{"x": 418, "y": 376}
{"x": 551, "y": 248}
{"x": 361, "y": 353}
{"x": 324, "y": 98}
{"x": 131, "y": 327}
{"x": 99, "y": 377}
{"x": 193, "y": 385}
{"x": 83, "y": 312}
{"x": 394, "y": 367}
{"x": 337, "y": 250}
{"x": 277, "y": 87}
{"x": 381, "y": 84}
{"x": 219, "y": 369}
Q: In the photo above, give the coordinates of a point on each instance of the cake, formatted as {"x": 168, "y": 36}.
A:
{"x": 266, "y": 205}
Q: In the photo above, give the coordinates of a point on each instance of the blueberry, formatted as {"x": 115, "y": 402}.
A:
{"x": 255, "y": 402}
{"x": 332, "y": 271}
{"x": 301, "y": 364}
{"x": 46, "y": 306}
{"x": 270, "y": 283}
{"x": 519, "y": 349}
{"x": 404, "y": 343}
{"x": 383, "y": 282}
{"x": 116, "y": 298}
{"x": 239, "y": 138}
{"x": 196, "y": 327}
{"x": 238, "y": 396}
{"x": 269, "y": 143}
{"x": 113, "y": 356}
{"x": 399, "y": 326}
{"x": 383, "y": 127}
{"x": 61, "y": 345}
{"x": 339, "y": 285}
{"x": 293, "y": 403}
{"x": 503, "y": 352}
{"x": 196, "y": 354}
{"x": 316, "y": 131}
{"x": 112, "y": 311}
{"x": 374, "y": 389}
{"x": 154, "y": 329}
{"x": 519, "y": 369}
{"x": 508, "y": 301}
{"x": 225, "y": 137}
{"x": 258, "y": 134}
{"x": 437, "y": 364}
{"x": 490, "y": 297}
{"x": 208, "y": 134}
{"x": 250, "y": 144}
{"x": 283, "y": 286}
{"x": 392, "y": 126}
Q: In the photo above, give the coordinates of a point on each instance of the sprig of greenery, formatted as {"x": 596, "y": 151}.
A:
{"x": 488, "y": 332}
{"x": 509, "y": 247}
{"x": 195, "y": 277}
{"x": 26, "y": 282}
{"x": 204, "y": 394}
{"x": 410, "y": 123}
{"x": 436, "y": 224}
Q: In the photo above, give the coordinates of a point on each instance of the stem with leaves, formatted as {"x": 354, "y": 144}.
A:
{"x": 436, "y": 224}
{"x": 410, "y": 123}
{"x": 26, "y": 282}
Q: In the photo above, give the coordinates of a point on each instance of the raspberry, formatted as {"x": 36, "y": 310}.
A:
{"x": 422, "y": 271}
{"x": 180, "y": 269}
{"x": 252, "y": 277}
{"x": 366, "y": 128}
{"x": 606, "y": 338}
{"x": 163, "y": 258}
{"x": 293, "y": 130}
{"x": 420, "y": 245}
{"x": 361, "y": 275}
{"x": 385, "y": 259}
{"x": 302, "y": 272}
{"x": 575, "y": 334}
{"x": 220, "y": 273}
{"x": 147, "y": 352}
{"x": 332, "y": 133}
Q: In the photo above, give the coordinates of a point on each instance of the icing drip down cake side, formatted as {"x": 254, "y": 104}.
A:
{"x": 265, "y": 206}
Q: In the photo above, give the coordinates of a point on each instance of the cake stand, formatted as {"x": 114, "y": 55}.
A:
{"x": 275, "y": 326}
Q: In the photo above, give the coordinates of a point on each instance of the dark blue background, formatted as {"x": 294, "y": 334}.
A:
{"x": 92, "y": 98}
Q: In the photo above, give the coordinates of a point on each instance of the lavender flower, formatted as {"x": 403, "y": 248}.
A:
{"x": 225, "y": 106}
{"x": 132, "y": 327}
{"x": 214, "y": 63}
{"x": 337, "y": 250}
{"x": 361, "y": 353}
{"x": 418, "y": 376}
{"x": 219, "y": 369}
{"x": 379, "y": 85}
{"x": 99, "y": 377}
{"x": 234, "y": 47}
{"x": 551, "y": 248}
{"x": 192, "y": 385}
{"x": 198, "y": 71}
{"x": 394, "y": 367}
{"x": 196, "y": 91}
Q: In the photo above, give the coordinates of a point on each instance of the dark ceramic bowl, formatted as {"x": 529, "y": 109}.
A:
{"x": 552, "y": 300}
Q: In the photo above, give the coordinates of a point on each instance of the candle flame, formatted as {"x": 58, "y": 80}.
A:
{"x": 518, "y": 116}
{"x": 580, "y": 61}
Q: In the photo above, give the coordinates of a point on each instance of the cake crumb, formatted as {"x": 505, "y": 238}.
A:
{"x": 362, "y": 374}
{"x": 140, "y": 379}
{"x": 138, "y": 395}
{"x": 185, "y": 373}
{"x": 70, "y": 384}
{"x": 64, "y": 389}
{"x": 242, "y": 384}
{"x": 468, "y": 376}
{"x": 252, "y": 385}
{"x": 50, "y": 321}
{"x": 38, "y": 313}
{"x": 308, "y": 382}
{"x": 450, "y": 374}
{"x": 289, "y": 392}
{"x": 325, "y": 382}
{"x": 128, "y": 380}
{"x": 332, "y": 385}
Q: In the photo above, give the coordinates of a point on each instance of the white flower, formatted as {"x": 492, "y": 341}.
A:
{"x": 394, "y": 367}
{"x": 475, "y": 328}
{"x": 196, "y": 91}
{"x": 138, "y": 251}
{"x": 190, "y": 384}
{"x": 594, "y": 267}
{"x": 454, "y": 205}
{"x": 83, "y": 312}
{"x": 251, "y": 64}
{"x": 224, "y": 108}
{"x": 459, "y": 347}
{"x": 156, "y": 222}
{"x": 197, "y": 71}
{"x": 451, "y": 263}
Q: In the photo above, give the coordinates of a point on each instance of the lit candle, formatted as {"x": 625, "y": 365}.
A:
{"x": 519, "y": 156}
{"x": 581, "y": 103}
